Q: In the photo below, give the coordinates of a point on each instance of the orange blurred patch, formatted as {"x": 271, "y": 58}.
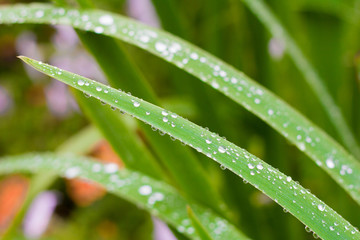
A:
{"x": 12, "y": 194}
{"x": 84, "y": 193}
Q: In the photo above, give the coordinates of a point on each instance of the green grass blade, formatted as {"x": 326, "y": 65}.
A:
{"x": 80, "y": 143}
{"x": 315, "y": 82}
{"x": 314, "y": 142}
{"x": 125, "y": 143}
{"x": 150, "y": 194}
{"x": 122, "y": 73}
{"x": 199, "y": 228}
{"x": 323, "y": 220}
{"x": 171, "y": 20}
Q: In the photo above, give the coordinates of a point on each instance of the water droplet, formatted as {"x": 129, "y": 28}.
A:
{"x": 164, "y": 113}
{"x": 332, "y": 228}
{"x": 194, "y": 56}
{"x": 98, "y": 89}
{"x": 165, "y": 119}
{"x": 106, "y": 20}
{"x": 270, "y": 112}
{"x": 136, "y": 104}
{"x": 307, "y": 229}
{"x": 161, "y": 47}
{"x": 222, "y": 167}
{"x": 39, "y": 14}
{"x": 330, "y": 163}
{"x": 285, "y": 210}
{"x": 222, "y": 149}
{"x": 80, "y": 82}
{"x": 145, "y": 190}
{"x": 208, "y": 141}
{"x": 72, "y": 172}
{"x": 288, "y": 179}
{"x": 144, "y": 38}
{"x": 147, "y": 113}
{"x": 251, "y": 166}
{"x": 96, "y": 167}
{"x": 259, "y": 166}
{"x": 98, "y": 30}
{"x": 321, "y": 207}
{"x": 111, "y": 168}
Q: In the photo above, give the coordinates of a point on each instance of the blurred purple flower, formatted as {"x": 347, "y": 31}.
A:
{"x": 70, "y": 57}
{"x": 65, "y": 38}
{"x": 79, "y": 62}
{"x": 276, "y": 48}
{"x": 26, "y": 45}
{"x": 5, "y": 101}
{"x": 162, "y": 231}
{"x": 39, "y": 214}
{"x": 59, "y": 101}
{"x": 144, "y": 11}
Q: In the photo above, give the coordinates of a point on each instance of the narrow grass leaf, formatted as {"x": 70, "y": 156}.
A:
{"x": 310, "y": 139}
{"x": 259, "y": 8}
{"x": 80, "y": 143}
{"x": 319, "y": 217}
{"x": 125, "y": 143}
{"x": 201, "y": 231}
{"x": 122, "y": 73}
{"x": 156, "y": 197}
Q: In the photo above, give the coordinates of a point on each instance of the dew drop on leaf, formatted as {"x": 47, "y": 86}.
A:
{"x": 80, "y": 82}
{"x": 106, "y": 20}
{"x": 145, "y": 190}
{"x": 136, "y": 104}
{"x": 72, "y": 172}
{"x": 330, "y": 163}
{"x": 321, "y": 207}
{"x": 221, "y": 149}
{"x": 111, "y": 168}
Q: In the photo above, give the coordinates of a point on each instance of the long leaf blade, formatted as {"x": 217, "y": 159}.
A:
{"x": 320, "y": 147}
{"x": 150, "y": 194}
{"x": 323, "y": 220}
{"x": 259, "y": 8}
